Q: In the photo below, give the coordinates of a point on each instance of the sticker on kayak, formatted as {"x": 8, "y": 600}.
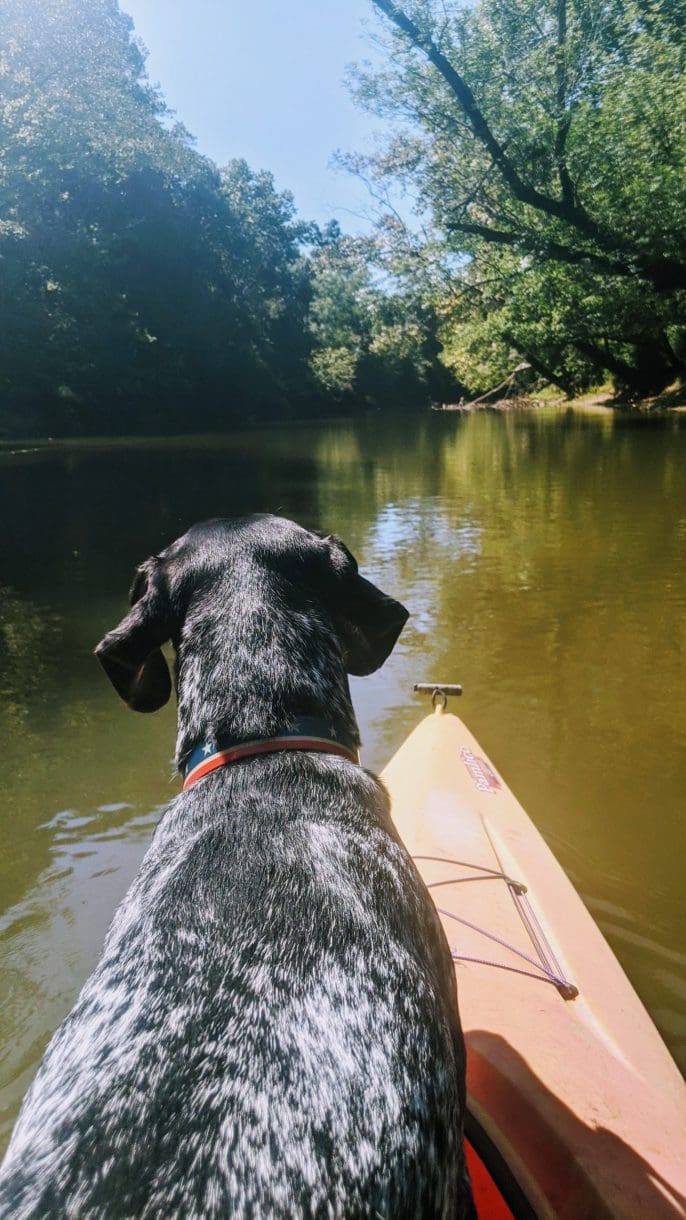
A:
{"x": 483, "y": 775}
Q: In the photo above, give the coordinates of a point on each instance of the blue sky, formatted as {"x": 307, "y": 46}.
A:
{"x": 263, "y": 80}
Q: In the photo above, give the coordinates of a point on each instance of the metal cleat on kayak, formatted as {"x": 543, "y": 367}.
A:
{"x": 439, "y": 692}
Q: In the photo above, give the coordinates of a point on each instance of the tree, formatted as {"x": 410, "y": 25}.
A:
{"x": 547, "y": 140}
{"x": 142, "y": 288}
{"x": 372, "y": 342}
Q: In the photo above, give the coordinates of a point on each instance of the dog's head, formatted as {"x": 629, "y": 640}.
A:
{"x": 288, "y": 562}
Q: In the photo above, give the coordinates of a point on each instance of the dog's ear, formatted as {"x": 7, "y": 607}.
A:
{"x": 368, "y": 622}
{"x": 130, "y": 654}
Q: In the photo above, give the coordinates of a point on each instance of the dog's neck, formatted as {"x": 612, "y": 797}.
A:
{"x": 252, "y": 673}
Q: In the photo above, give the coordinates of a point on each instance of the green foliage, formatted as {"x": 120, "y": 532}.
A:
{"x": 335, "y": 369}
{"x": 371, "y": 342}
{"x": 142, "y": 288}
{"x": 546, "y": 140}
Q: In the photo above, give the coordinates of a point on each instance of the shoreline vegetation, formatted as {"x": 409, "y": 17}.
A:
{"x": 539, "y": 148}
{"x": 603, "y": 401}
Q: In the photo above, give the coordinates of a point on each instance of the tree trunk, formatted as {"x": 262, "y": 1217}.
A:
{"x": 562, "y": 379}
{"x": 650, "y": 373}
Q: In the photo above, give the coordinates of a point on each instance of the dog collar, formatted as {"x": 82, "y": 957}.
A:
{"x": 309, "y": 733}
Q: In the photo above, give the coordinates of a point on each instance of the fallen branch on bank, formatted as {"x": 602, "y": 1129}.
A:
{"x": 501, "y": 404}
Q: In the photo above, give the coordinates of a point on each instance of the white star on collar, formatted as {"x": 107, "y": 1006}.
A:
{"x": 208, "y": 750}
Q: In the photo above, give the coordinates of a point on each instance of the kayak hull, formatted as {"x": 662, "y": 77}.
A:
{"x": 567, "y": 1075}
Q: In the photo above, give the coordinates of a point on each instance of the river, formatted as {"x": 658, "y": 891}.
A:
{"x": 543, "y": 558}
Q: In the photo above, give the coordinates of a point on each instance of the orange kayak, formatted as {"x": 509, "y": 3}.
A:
{"x": 576, "y": 1108}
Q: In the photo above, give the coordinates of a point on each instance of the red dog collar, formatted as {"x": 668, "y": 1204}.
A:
{"x": 207, "y": 758}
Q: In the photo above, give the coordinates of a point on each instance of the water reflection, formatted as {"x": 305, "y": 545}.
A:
{"x": 542, "y": 557}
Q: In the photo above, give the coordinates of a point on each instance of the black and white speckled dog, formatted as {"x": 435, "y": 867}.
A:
{"x": 272, "y": 1030}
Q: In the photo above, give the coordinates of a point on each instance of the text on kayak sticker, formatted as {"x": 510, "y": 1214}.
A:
{"x": 484, "y": 776}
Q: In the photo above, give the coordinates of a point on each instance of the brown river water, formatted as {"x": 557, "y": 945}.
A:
{"x": 543, "y": 558}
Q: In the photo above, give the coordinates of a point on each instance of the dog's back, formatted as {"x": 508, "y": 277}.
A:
{"x": 272, "y": 1029}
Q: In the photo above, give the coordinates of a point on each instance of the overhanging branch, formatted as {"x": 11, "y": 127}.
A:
{"x": 665, "y": 273}
{"x": 522, "y": 190}
{"x": 544, "y": 247}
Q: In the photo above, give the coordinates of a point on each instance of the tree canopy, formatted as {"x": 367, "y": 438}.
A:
{"x": 142, "y": 287}
{"x": 371, "y": 343}
{"x": 546, "y": 141}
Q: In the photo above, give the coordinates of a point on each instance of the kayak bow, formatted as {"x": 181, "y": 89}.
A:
{"x": 576, "y": 1108}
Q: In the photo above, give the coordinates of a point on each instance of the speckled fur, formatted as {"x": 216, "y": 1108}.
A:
{"x": 272, "y": 1030}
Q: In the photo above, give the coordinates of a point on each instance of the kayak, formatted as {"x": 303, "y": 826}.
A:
{"x": 575, "y": 1107}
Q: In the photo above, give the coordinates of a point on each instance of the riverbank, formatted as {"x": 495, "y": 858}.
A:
{"x": 603, "y": 400}
{"x": 606, "y": 399}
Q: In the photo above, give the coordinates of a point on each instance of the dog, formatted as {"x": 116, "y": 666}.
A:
{"x": 272, "y": 1030}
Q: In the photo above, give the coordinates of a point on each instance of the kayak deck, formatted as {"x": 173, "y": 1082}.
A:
{"x": 566, "y": 1073}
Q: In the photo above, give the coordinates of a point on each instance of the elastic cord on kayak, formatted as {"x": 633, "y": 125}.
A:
{"x": 547, "y": 968}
